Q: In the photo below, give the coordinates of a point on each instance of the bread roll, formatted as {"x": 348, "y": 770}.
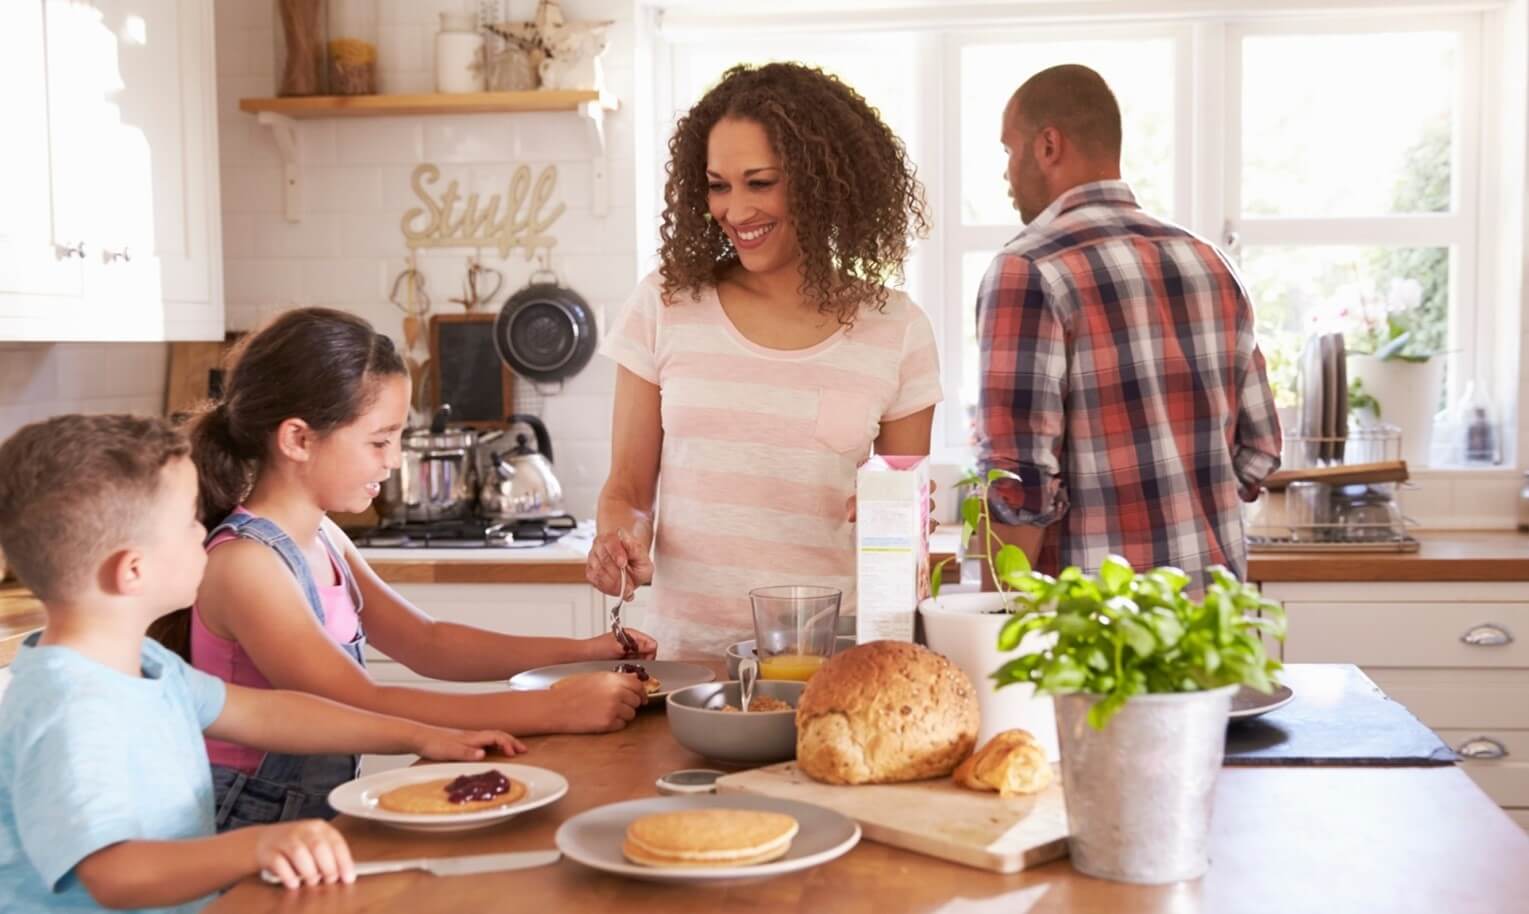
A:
{"x": 885, "y": 712}
{"x": 1012, "y": 763}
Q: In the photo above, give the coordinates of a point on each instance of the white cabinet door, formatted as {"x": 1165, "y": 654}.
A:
{"x": 118, "y": 186}
{"x": 548, "y": 610}
{"x": 37, "y": 280}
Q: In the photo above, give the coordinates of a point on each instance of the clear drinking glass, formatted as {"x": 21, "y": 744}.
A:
{"x": 795, "y": 629}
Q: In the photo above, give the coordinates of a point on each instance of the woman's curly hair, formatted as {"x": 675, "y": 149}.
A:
{"x": 854, "y": 196}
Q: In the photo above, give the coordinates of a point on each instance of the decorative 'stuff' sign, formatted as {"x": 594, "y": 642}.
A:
{"x": 440, "y": 224}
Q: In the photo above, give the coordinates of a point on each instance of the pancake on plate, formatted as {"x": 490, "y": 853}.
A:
{"x": 469, "y": 793}
{"x": 709, "y": 837}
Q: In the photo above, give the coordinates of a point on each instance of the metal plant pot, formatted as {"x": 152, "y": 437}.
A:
{"x": 1139, "y": 792}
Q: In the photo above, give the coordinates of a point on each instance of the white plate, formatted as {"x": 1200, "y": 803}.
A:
{"x": 359, "y": 797}
{"x": 1248, "y": 703}
{"x": 594, "y": 838}
{"x": 672, "y": 675}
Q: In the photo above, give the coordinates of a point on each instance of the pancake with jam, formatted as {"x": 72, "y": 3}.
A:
{"x": 468, "y": 793}
{"x": 709, "y": 837}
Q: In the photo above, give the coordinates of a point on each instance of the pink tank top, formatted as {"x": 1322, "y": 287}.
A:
{"x": 225, "y": 659}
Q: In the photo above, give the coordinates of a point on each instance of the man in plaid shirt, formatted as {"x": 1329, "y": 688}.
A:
{"x": 1120, "y": 378}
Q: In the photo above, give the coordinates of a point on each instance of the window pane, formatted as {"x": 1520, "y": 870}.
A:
{"x": 973, "y": 267}
{"x": 1347, "y": 125}
{"x": 875, "y": 66}
{"x": 1140, "y": 72}
{"x": 1367, "y": 293}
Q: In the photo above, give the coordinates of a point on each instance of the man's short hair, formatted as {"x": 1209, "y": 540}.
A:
{"x": 1075, "y": 100}
{"x": 74, "y": 489}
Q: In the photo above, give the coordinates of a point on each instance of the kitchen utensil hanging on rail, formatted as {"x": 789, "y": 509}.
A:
{"x": 546, "y": 331}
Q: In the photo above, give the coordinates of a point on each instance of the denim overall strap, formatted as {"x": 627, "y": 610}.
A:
{"x": 286, "y": 787}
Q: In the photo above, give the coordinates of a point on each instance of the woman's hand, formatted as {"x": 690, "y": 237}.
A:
{"x": 618, "y": 562}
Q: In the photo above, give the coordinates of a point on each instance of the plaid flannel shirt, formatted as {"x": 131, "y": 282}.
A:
{"x": 1122, "y": 383}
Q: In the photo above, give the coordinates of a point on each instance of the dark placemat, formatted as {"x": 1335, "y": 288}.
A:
{"x": 1338, "y": 717}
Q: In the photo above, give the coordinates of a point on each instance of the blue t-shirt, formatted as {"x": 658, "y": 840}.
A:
{"x": 90, "y": 757}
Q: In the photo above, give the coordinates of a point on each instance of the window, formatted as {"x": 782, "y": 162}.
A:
{"x": 1338, "y": 160}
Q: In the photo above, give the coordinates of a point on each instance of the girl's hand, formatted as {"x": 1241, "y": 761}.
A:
{"x": 446, "y": 745}
{"x": 606, "y": 647}
{"x": 304, "y": 853}
{"x": 612, "y": 552}
{"x": 596, "y": 702}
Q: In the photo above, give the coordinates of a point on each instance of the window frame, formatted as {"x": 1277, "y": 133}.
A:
{"x": 1207, "y": 169}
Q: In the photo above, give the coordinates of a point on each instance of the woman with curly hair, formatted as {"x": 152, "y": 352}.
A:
{"x": 765, "y": 358}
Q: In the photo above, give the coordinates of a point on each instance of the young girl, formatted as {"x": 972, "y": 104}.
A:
{"x": 766, "y": 358}
{"x": 311, "y": 418}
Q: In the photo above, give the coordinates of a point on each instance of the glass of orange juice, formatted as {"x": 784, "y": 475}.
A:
{"x": 795, "y": 629}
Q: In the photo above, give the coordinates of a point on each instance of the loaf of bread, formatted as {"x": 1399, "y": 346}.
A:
{"x": 885, "y": 712}
{"x": 1012, "y": 763}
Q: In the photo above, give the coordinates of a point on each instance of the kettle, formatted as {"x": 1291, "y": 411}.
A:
{"x": 520, "y": 484}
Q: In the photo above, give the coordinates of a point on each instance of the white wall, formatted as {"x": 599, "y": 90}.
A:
{"x": 348, "y": 247}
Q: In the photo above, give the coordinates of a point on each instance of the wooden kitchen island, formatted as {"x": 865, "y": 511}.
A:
{"x": 1348, "y": 840}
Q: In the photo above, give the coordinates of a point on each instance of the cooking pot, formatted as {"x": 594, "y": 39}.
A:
{"x": 545, "y": 332}
{"x": 437, "y": 473}
{"x": 520, "y": 484}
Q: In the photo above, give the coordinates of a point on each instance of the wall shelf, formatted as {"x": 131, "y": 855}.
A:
{"x": 282, "y": 114}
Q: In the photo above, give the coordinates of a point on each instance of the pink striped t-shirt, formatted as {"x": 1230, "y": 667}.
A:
{"x": 759, "y": 452}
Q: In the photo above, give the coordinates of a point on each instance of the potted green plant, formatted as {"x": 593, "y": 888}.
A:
{"x": 965, "y": 626}
{"x": 1143, "y": 673}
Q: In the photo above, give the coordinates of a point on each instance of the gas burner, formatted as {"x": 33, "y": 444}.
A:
{"x": 469, "y": 533}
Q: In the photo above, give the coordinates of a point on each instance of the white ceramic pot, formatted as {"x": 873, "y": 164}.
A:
{"x": 1408, "y": 393}
{"x": 964, "y": 627}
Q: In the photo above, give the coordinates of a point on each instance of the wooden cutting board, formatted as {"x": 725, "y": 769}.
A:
{"x": 935, "y": 817}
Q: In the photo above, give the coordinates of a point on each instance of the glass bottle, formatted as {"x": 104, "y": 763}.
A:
{"x": 299, "y": 47}
{"x": 353, "y": 47}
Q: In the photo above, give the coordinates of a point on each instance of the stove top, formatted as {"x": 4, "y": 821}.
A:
{"x": 468, "y": 533}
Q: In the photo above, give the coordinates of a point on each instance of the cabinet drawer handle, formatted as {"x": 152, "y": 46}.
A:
{"x": 66, "y": 251}
{"x": 109, "y": 256}
{"x": 1487, "y": 634}
{"x": 1482, "y": 747}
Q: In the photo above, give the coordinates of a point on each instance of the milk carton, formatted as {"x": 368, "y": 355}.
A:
{"x": 891, "y": 546}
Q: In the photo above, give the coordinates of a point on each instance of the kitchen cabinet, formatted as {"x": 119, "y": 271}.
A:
{"x": 111, "y": 228}
{"x": 1454, "y": 654}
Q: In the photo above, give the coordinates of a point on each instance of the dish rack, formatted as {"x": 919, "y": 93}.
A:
{"x": 1301, "y": 519}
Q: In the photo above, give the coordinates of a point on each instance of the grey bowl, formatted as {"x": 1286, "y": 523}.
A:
{"x": 738, "y": 650}
{"x": 699, "y": 724}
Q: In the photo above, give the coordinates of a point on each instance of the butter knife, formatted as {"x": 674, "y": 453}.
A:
{"x": 451, "y": 866}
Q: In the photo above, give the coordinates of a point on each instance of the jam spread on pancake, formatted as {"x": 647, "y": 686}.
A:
{"x": 642, "y": 674}
{"x": 475, "y": 788}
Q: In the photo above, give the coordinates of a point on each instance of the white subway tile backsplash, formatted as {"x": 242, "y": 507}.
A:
{"x": 340, "y": 282}
{"x": 122, "y": 370}
{"x": 383, "y": 140}
{"x": 28, "y": 373}
{"x": 251, "y": 188}
{"x": 347, "y": 189}
{"x": 318, "y": 235}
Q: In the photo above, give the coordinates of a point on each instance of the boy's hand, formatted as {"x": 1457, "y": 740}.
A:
{"x": 606, "y": 647}
{"x": 443, "y": 744}
{"x": 596, "y": 702}
{"x": 304, "y": 853}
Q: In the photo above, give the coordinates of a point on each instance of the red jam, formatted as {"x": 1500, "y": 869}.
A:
{"x": 642, "y": 674}
{"x": 475, "y": 788}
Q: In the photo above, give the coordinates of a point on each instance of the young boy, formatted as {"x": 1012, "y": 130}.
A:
{"x": 105, "y": 790}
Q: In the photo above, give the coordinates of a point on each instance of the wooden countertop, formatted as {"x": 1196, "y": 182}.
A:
{"x": 20, "y": 615}
{"x": 1446, "y": 555}
{"x": 1355, "y": 840}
